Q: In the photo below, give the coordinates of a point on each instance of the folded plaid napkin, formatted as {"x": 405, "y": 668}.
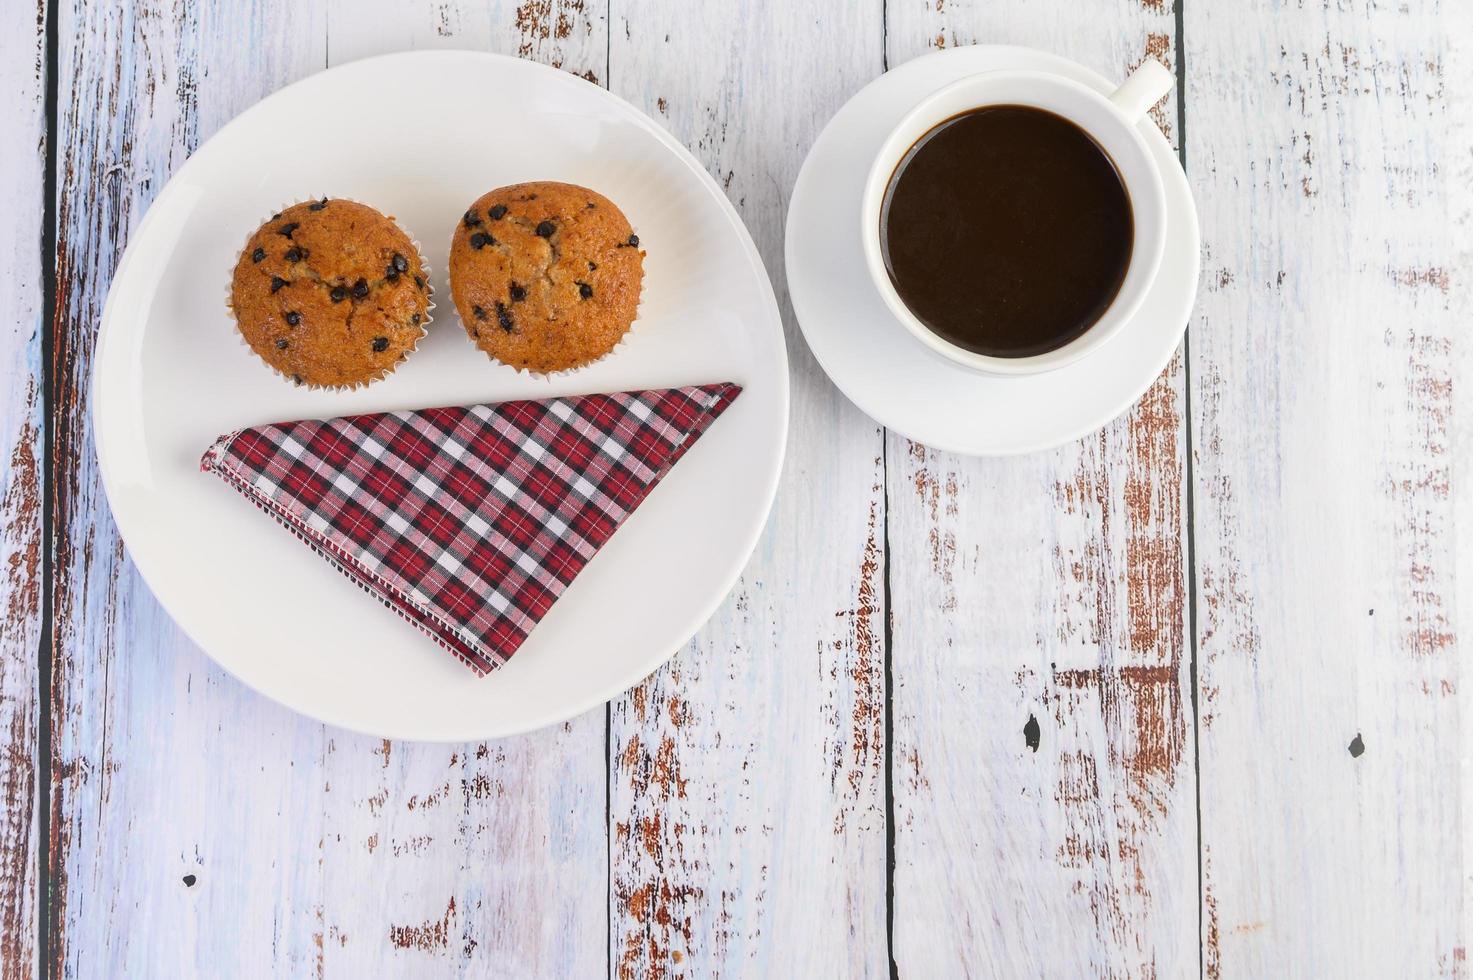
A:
{"x": 468, "y": 522}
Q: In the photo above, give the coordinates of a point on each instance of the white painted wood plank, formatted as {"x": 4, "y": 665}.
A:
{"x": 747, "y": 796}
{"x": 1330, "y": 147}
{"x": 1044, "y": 802}
{"x": 567, "y": 34}
{"x": 1338, "y": 449}
{"x": 486, "y": 859}
{"x": 22, "y": 161}
{"x": 1459, "y": 67}
{"x": 162, "y": 767}
{"x": 310, "y": 850}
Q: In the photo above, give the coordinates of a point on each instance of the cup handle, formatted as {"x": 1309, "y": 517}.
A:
{"x": 1143, "y": 89}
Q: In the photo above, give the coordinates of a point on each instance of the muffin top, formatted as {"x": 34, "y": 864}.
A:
{"x": 546, "y": 276}
{"x": 331, "y": 293}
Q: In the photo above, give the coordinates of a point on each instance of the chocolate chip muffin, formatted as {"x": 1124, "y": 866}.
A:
{"x": 331, "y": 293}
{"x": 546, "y": 276}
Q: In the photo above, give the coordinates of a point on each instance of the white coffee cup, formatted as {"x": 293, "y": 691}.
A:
{"x": 1113, "y": 122}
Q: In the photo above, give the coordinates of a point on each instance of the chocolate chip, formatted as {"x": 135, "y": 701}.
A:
{"x": 634, "y": 241}
{"x": 480, "y": 313}
{"x": 585, "y": 290}
{"x": 419, "y": 282}
{"x": 297, "y": 380}
{"x": 295, "y": 254}
{"x": 414, "y": 318}
{"x": 592, "y": 205}
{"x": 497, "y": 212}
{"x": 338, "y": 294}
{"x": 189, "y": 881}
{"x": 592, "y": 266}
{"x": 275, "y": 216}
{"x": 391, "y": 274}
{"x": 360, "y": 289}
{"x": 380, "y": 344}
{"x": 282, "y": 344}
{"x": 471, "y": 219}
{"x": 317, "y": 205}
{"x": 480, "y": 240}
{"x": 276, "y": 283}
{"x": 518, "y": 293}
{"x": 289, "y": 228}
{"x": 293, "y": 318}
{"x": 503, "y": 317}
{"x": 258, "y": 255}
{"x": 545, "y": 229}
{"x": 400, "y": 262}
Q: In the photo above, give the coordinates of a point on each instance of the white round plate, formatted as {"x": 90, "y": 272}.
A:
{"x": 891, "y": 375}
{"x": 171, "y": 375}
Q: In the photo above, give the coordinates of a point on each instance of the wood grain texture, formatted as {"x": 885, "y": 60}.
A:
{"x": 1330, "y": 148}
{"x": 161, "y": 767}
{"x": 567, "y": 34}
{"x": 199, "y": 829}
{"x": 489, "y": 859}
{"x": 1044, "y": 797}
{"x": 22, "y": 161}
{"x": 747, "y": 793}
{"x": 731, "y": 820}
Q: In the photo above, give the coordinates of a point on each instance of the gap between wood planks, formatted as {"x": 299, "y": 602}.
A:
{"x": 1178, "y": 14}
{"x": 41, "y": 767}
{"x": 888, "y": 629}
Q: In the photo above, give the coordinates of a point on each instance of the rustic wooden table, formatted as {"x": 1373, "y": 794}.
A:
{"x": 1182, "y": 697}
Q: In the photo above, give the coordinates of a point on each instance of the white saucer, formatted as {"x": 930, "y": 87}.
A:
{"x": 889, "y": 374}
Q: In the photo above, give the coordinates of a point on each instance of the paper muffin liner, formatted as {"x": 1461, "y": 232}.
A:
{"x": 545, "y": 375}
{"x": 424, "y": 327}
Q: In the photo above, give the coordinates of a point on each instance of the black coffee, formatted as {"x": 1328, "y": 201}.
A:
{"x": 1007, "y": 230}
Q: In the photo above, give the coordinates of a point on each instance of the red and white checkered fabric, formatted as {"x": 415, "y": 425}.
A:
{"x": 468, "y": 522}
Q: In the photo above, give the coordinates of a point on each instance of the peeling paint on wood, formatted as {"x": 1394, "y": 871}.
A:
{"x": 747, "y": 776}
{"x": 745, "y": 784}
{"x": 22, "y": 77}
{"x": 313, "y": 851}
{"x": 1050, "y": 587}
{"x": 138, "y": 720}
{"x": 567, "y": 34}
{"x": 472, "y": 825}
{"x": 1330, "y": 150}
{"x": 429, "y": 936}
{"x": 551, "y": 28}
